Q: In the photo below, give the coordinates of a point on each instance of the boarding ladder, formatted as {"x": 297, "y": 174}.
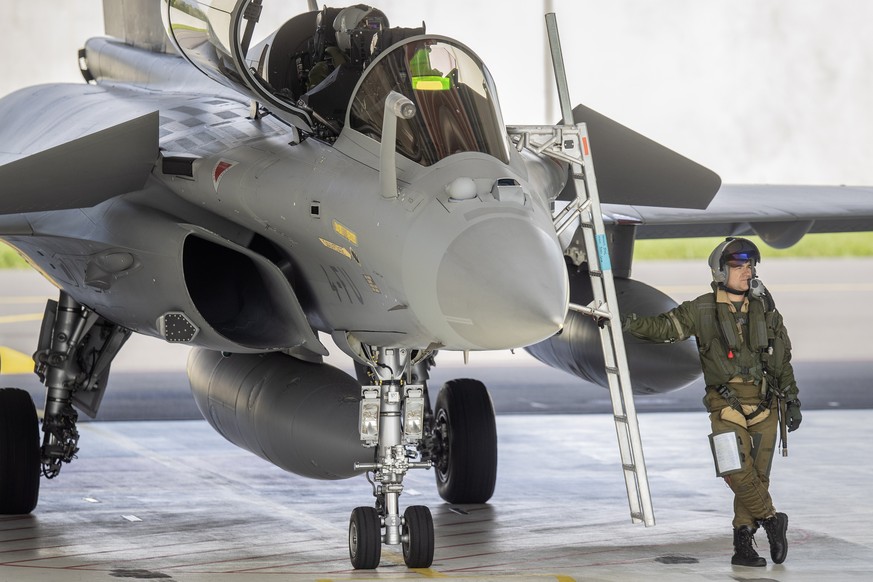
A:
{"x": 570, "y": 144}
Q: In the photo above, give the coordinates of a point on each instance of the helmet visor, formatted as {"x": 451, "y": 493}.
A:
{"x": 737, "y": 259}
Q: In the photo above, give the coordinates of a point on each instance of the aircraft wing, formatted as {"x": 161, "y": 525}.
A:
{"x": 666, "y": 195}
{"x": 780, "y": 215}
{"x": 55, "y": 162}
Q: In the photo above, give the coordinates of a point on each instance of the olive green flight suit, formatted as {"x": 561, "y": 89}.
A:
{"x": 732, "y": 355}
{"x": 334, "y": 57}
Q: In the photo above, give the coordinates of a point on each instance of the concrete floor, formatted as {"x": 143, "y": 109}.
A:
{"x": 173, "y": 501}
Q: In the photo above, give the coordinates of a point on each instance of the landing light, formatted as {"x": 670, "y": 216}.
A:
{"x": 371, "y": 405}
{"x": 413, "y": 414}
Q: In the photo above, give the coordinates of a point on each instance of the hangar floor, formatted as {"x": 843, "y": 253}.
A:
{"x": 173, "y": 501}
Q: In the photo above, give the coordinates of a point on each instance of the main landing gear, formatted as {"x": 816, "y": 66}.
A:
{"x": 75, "y": 349}
{"x": 19, "y": 452}
{"x": 459, "y": 438}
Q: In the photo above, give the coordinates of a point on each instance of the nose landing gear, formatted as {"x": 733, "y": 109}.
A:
{"x": 392, "y": 419}
{"x": 459, "y": 439}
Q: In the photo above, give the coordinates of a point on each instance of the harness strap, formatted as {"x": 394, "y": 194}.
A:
{"x": 734, "y": 402}
{"x": 758, "y": 339}
{"x": 727, "y": 326}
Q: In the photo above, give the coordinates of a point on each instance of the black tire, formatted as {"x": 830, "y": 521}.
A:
{"x": 19, "y": 452}
{"x": 365, "y": 538}
{"x": 418, "y": 537}
{"x": 466, "y": 435}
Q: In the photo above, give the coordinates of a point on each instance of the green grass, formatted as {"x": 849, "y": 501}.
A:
{"x": 851, "y": 244}
{"x": 10, "y": 259}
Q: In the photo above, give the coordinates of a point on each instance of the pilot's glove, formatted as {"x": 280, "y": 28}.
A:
{"x": 792, "y": 415}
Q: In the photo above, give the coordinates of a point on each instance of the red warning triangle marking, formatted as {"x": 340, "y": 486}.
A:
{"x": 220, "y": 168}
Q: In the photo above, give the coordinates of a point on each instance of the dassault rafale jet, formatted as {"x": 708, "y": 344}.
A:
{"x": 342, "y": 176}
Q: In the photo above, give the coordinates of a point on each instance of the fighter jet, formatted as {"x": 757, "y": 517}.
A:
{"x": 341, "y": 176}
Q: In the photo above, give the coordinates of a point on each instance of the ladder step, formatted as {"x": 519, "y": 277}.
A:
{"x": 611, "y": 370}
{"x": 620, "y": 418}
{"x": 631, "y": 468}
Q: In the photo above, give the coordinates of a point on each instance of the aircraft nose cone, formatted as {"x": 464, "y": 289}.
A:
{"x": 502, "y": 284}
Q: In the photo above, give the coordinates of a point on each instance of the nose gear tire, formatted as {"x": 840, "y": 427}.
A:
{"x": 418, "y": 537}
{"x": 365, "y": 538}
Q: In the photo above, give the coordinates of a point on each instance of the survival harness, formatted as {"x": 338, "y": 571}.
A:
{"x": 762, "y": 337}
{"x": 761, "y": 329}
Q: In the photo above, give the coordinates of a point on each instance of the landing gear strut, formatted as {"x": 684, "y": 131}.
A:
{"x": 392, "y": 420}
{"x": 75, "y": 349}
{"x": 458, "y": 438}
{"x": 76, "y": 346}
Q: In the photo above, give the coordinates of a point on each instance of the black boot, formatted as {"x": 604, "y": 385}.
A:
{"x": 776, "y": 528}
{"x": 744, "y": 553}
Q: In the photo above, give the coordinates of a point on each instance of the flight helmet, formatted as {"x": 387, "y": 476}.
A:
{"x": 732, "y": 249}
{"x": 357, "y": 17}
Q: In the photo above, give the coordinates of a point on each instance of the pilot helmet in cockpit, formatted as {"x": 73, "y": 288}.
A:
{"x": 357, "y": 25}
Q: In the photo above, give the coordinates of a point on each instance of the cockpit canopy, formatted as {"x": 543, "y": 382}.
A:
{"x": 457, "y": 108}
{"x": 331, "y": 70}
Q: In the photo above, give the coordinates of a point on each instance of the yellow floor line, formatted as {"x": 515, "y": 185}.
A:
{"x": 20, "y": 317}
{"x": 14, "y": 362}
{"x": 24, "y": 300}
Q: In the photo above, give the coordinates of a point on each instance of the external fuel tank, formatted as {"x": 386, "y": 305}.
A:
{"x": 301, "y": 417}
{"x": 654, "y": 367}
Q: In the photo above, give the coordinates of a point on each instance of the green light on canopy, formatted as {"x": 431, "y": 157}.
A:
{"x": 431, "y": 83}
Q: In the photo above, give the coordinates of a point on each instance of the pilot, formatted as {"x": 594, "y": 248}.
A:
{"x": 745, "y": 355}
{"x": 354, "y": 28}
{"x": 331, "y": 80}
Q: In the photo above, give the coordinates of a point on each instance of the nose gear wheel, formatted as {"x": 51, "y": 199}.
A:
{"x": 365, "y": 538}
{"x": 418, "y": 537}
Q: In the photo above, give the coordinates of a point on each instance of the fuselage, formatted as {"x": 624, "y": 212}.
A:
{"x": 245, "y": 228}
